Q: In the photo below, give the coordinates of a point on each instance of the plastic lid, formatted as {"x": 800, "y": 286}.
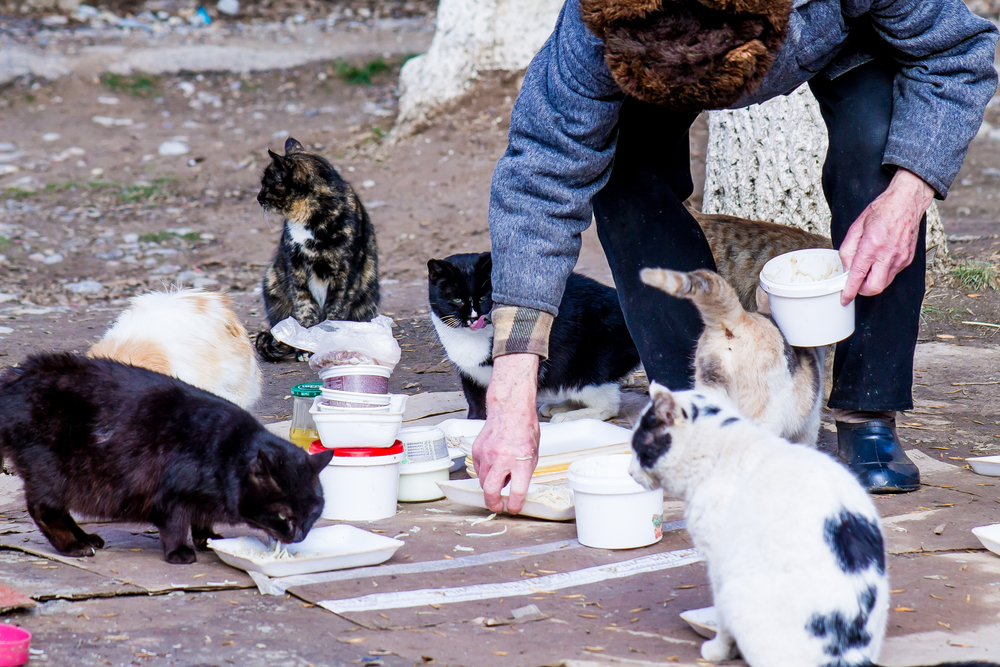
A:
{"x": 397, "y": 448}
{"x": 307, "y": 389}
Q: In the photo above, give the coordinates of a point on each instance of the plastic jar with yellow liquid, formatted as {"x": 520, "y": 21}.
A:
{"x": 304, "y": 431}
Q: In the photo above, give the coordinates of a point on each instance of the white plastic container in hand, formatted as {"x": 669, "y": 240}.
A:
{"x": 613, "y": 511}
{"x": 360, "y": 484}
{"x": 418, "y": 481}
{"x": 803, "y": 289}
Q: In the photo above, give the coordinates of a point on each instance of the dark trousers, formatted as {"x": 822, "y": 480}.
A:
{"x": 642, "y": 222}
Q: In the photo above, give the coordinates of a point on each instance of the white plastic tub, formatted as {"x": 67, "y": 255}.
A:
{"x": 985, "y": 465}
{"x": 803, "y": 289}
{"x": 423, "y": 444}
{"x": 354, "y": 429}
{"x": 418, "y": 481}
{"x": 360, "y": 484}
{"x": 362, "y": 378}
{"x": 613, "y": 511}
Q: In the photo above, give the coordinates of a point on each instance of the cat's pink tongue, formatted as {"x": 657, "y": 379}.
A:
{"x": 479, "y": 324}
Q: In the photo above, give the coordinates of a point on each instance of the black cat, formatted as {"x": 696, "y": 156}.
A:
{"x": 326, "y": 267}
{"x": 123, "y": 443}
{"x": 590, "y": 348}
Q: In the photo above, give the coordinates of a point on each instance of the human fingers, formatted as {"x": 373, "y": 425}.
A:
{"x": 492, "y": 485}
{"x": 519, "y": 481}
{"x": 877, "y": 280}
{"x": 848, "y": 256}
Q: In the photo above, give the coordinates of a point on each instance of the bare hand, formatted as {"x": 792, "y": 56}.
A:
{"x": 507, "y": 448}
{"x": 881, "y": 242}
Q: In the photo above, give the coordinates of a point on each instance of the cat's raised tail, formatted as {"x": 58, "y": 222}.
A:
{"x": 717, "y": 301}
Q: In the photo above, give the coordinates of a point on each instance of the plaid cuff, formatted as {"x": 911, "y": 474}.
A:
{"x": 519, "y": 330}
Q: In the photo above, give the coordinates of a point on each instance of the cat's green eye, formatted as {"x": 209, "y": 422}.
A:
{"x": 457, "y": 300}
{"x": 283, "y": 517}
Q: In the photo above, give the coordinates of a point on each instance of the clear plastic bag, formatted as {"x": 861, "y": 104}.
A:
{"x": 335, "y": 343}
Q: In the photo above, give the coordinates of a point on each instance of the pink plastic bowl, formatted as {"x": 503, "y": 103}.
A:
{"x": 14, "y": 643}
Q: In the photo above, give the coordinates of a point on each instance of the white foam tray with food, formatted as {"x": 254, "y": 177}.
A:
{"x": 552, "y": 502}
{"x": 324, "y": 549}
{"x": 559, "y": 444}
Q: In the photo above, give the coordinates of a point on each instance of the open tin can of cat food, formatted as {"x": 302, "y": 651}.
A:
{"x": 803, "y": 289}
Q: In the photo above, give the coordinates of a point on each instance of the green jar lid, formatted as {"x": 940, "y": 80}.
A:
{"x": 307, "y": 389}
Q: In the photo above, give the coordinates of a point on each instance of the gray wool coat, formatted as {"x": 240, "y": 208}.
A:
{"x": 564, "y": 123}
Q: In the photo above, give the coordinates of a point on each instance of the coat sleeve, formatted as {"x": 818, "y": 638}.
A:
{"x": 947, "y": 76}
{"x": 562, "y": 143}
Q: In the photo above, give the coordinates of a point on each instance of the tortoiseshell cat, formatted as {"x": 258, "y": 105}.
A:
{"x": 326, "y": 267}
{"x": 746, "y": 356}
{"x": 123, "y": 443}
{"x": 742, "y": 247}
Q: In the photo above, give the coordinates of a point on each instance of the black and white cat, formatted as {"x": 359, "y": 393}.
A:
{"x": 798, "y": 571}
{"x": 590, "y": 349}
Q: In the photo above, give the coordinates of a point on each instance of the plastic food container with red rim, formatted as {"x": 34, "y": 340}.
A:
{"x": 361, "y": 483}
{"x": 14, "y": 645}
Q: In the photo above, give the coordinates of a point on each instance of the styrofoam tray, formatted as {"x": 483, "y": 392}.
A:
{"x": 326, "y": 548}
{"x": 468, "y": 492}
{"x": 989, "y": 536}
{"x": 554, "y": 439}
{"x": 985, "y": 465}
{"x": 703, "y": 621}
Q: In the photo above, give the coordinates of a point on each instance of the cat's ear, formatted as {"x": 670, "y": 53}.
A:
{"x": 320, "y": 461}
{"x": 260, "y": 471}
{"x": 293, "y": 146}
{"x": 437, "y": 270}
{"x": 275, "y": 158}
{"x": 763, "y": 305}
{"x": 664, "y": 405}
{"x": 484, "y": 263}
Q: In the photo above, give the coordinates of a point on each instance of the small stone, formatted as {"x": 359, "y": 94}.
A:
{"x": 200, "y": 283}
{"x": 84, "y": 287}
{"x": 368, "y": 183}
{"x": 5, "y": 330}
{"x": 172, "y": 148}
{"x": 108, "y": 121}
{"x": 51, "y": 136}
{"x": 166, "y": 268}
{"x": 96, "y": 171}
{"x": 187, "y": 88}
{"x": 230, "y": 7}
{"x": 108, "y": 100}
{"x": 54, "y": 20}
{"x": 280, "y": 134}
{"x": 6, "y": 169}
{"x": 36, "y": 257}
{"x": 25, "y": 184}
{"x": 54, "y": 259}
{"x": 4, "y": 298}
{"x": 939, "y": 529}
{"x": 131, "y": 237}
{"x": 208, "y": 237}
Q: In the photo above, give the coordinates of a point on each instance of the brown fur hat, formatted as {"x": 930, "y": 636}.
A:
{"x": 688, "y": 55}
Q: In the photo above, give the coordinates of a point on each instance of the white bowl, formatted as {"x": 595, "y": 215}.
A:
{"x": 985, "y": 465}
{"x": 989, "y": 536}
{"x": 354, "y": 429}
{"x": 423, "y": 444}
{"x": 326, "y": 548}
{"x": 803, "y": 290}
{"x": 418, "y": 481}
{"x": 703, "y": 621}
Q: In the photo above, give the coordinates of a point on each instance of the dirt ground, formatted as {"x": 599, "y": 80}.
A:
{"x": 92, "y": 213}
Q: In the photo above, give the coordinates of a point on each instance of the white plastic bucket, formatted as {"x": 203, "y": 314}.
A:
{"x": 418, "y": 481}
{"x": 423, "y": 444}
{"x": 361, "y": 484}
{"x": 803, "y": 289}
{"x": 613, "y": 511}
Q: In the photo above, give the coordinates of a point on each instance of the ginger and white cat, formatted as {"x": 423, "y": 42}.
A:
{"x": 797, "y": 569}
{"x": 778, "y": 386}
{"x": 191, "y": 335}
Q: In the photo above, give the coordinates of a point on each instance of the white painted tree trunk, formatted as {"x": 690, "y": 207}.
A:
{"x": 765, "y": 162}
{"x": 472, "y": 37}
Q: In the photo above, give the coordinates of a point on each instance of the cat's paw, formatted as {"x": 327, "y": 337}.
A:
{"x": 302, "y": 355}
{"x": 78, "y": 550}
{"x": 720, "y": 649}
{"x": 584, "y": 413}
{"x": 552, "y": 409}
{"x": 201, "y": 541}
{"x": 95, "y": 541}
{"x": 181, "y": 556}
